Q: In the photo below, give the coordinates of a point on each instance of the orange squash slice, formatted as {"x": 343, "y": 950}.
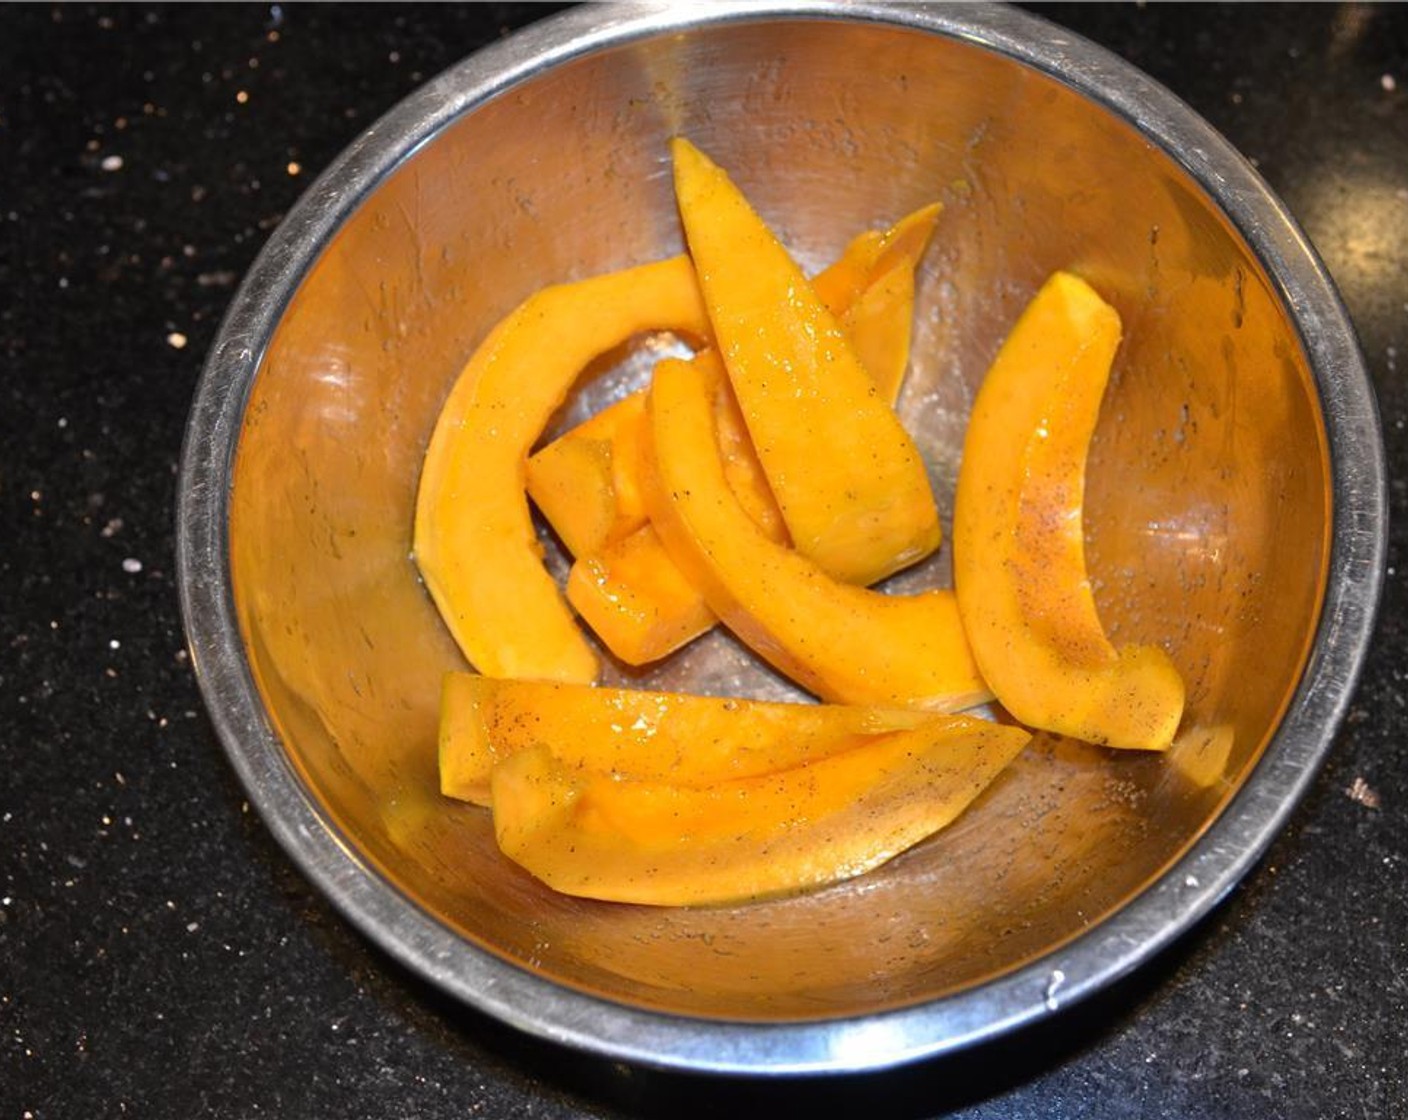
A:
{"x": 846, "y": 644}
{"x": 587, "y": 832}
{"x": 851, "y": 485}
{"x": 1018, "y": 545}
{"x": 641, "y": 735}
{"x": 473, "y": 539}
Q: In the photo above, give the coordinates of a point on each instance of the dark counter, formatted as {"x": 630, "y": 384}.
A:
{"x": 159, "y": 956}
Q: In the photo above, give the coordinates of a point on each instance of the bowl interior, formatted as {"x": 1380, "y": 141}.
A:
{"x": 1207, "y": 507}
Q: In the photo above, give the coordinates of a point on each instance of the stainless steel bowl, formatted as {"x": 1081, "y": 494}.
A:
{"x": 1236, "y": 507}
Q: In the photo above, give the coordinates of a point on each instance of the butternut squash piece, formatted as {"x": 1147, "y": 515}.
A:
{"x": 636, "y": 599}
{"x": 586, "y": 832}
{"x": 844, "y": 643}
{"x": 851, "y": 485}
{"x": 474, "y": 538}
{"x": 636, "y": 734}
{"x": 1018, "y": 546}
{"x": 585, "y": 482}
{"x": 872, "y": 254}
{"x": 870, "y": 290}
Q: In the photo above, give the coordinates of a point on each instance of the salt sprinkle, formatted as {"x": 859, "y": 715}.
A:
{"x": 1359, "y": 790}
{"x": 132, "y": 565}
{"x": 1389, "y": 83}
{"x": 176, "y": 340}
{"x": 111, "y": 163}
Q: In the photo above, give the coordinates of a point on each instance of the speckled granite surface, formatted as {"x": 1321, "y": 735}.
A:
{"x": 160, "y": 957}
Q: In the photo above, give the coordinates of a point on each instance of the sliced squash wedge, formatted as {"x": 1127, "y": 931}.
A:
{"x": 846, "y": 644}
{"x": 879, "y": 326}
{"x": 851, "y": 485}
{"x": 871, "y": 291}
{"x": 1018, "y": 545}
{"x": 589, "y": 833}
{"x": 642, "y": 735}
{"x": 473, "y": 539}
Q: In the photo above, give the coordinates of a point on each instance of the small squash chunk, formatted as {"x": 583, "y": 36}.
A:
{"x": 636, "y": 599}
{"x": 850, "y": 483}
{"x": 586, "y": 485}
{"x": 846, "y": 644}
{"x": 474, "y": 538}
{"x": 1018, "y": 551}
{"x": 636, "y": 734}
{"x": 588, "y": 833}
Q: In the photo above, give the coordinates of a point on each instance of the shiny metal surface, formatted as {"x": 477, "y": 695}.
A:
{"x": 1235, "y": 508}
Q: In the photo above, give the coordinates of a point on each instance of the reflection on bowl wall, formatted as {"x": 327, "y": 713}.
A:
{"x": 1209, "y": 502}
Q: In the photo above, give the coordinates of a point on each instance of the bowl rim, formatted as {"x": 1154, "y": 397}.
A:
{"x": 1074, "y": 970}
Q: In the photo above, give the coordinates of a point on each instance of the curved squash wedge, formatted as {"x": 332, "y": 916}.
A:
{"x": 641, "y": 735}
{"x": 1018, "y": 548}
{"x": 588, "y": 833}
{"x": 846, "y": 644}
{"x": 851, "y": 485}
{"x": 474, "y": 538}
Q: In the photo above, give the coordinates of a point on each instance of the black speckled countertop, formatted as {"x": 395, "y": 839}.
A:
{"x": 159, "y": 956}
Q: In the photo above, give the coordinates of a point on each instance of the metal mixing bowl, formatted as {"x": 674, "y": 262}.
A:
{"x": 1235, "y": 509}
